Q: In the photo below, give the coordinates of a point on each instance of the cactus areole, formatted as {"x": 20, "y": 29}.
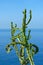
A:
{"x": 27, "y": 50}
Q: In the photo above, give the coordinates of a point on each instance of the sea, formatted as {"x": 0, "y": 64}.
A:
{"x": 11, "y": 58}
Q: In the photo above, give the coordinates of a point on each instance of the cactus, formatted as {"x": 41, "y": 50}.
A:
{"x": 27, "y": 50}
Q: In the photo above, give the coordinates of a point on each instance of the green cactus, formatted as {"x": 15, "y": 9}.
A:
{"x": 27, "y": 50}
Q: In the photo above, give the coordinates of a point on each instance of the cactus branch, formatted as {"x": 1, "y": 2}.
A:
{"x": 29, "y": 18}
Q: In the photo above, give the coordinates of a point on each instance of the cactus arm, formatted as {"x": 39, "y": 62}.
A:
{"x": 8, "y": 49}
{"x": 28, "y": 37}
{"x": 22, "y": 53}
{"x": 24, "y": 21}
{"x": 36, "y": 48}
{"x": 13, "y": 40}
{"x": 29, "y": 18}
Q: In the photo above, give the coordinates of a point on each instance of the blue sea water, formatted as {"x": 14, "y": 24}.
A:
{"x": 11, "y": 58}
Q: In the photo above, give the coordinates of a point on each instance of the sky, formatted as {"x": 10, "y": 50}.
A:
{"x": 11, "y": 10}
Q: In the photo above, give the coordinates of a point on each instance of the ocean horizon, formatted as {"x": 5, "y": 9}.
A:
{"x": 11, "y": 58}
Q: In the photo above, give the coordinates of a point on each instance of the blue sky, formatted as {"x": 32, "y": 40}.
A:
{"x": 11, "y": 10}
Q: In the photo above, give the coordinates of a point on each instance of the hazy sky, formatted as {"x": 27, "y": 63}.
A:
{"x": 11, "y": 10}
